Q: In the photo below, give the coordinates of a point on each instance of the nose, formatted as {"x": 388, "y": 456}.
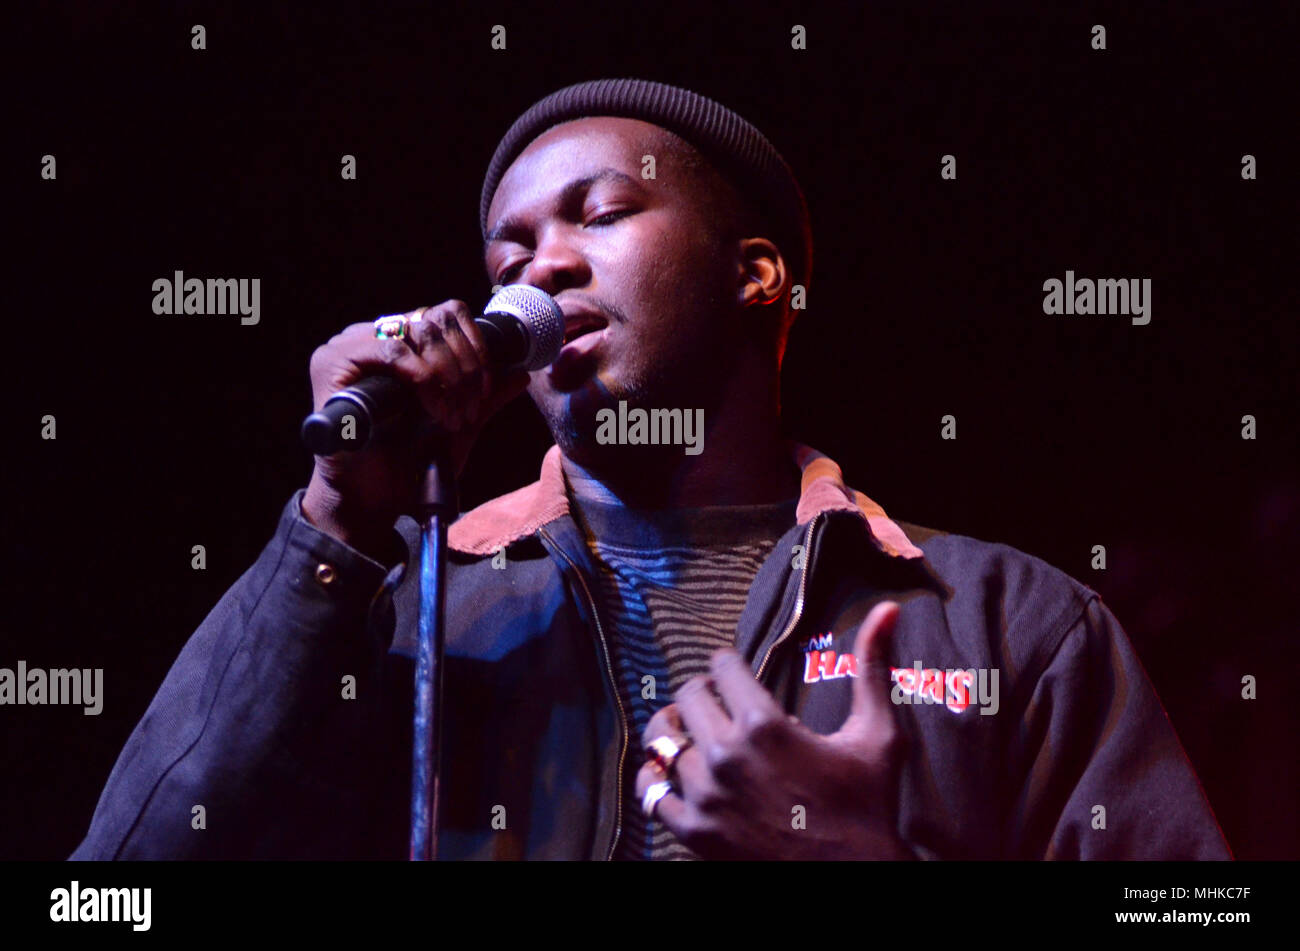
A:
{"x": 557, "y": 264}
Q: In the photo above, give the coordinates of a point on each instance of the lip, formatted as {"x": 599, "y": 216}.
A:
{"x": 581, "y": 321}
{"x": 577, "y": 360}
{"x": 584, "y": 344}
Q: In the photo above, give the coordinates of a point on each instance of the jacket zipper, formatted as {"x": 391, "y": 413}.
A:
{"x": 799, "y": 599}
{"x": 609, "y": 671}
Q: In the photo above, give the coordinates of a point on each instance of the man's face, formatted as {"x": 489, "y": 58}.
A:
{"x": 574, "y": 216}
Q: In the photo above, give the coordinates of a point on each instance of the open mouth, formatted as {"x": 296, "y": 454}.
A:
{"x": 579, "y": 325}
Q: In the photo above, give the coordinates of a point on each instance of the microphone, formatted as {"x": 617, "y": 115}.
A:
{"x": 523, "y": 328}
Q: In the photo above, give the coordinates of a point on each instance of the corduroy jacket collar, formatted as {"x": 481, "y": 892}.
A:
{"x": 507, "y": 518}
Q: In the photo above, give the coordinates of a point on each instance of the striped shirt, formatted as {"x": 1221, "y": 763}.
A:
{"x": 670, "y": 589}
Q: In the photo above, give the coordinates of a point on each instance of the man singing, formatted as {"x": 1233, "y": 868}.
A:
{"x": 657, "y": 650}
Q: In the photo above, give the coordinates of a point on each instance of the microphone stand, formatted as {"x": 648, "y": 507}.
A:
{"x": 437, "y": 510}
{"x": 523, "y": 326}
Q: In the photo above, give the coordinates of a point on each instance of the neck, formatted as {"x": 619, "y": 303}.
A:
{"x": 744, "y": 460}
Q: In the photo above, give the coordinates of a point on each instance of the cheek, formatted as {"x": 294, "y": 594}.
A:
{"x": 680, "y": 275}
{"x": 661, "y": 252}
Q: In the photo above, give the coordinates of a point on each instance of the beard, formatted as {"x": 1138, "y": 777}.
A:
{"x": 572, "y": 417}
{"x": 691, "y": 374}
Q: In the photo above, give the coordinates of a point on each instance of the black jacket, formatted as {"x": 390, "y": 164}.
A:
{"x": 256, "y": 722}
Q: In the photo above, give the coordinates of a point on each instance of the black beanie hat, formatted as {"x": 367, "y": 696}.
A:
{"x": 740, "y": 152}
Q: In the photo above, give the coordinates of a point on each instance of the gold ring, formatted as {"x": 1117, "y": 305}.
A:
{"x": 664, "y": 750}
{"x": 396, "y": 326}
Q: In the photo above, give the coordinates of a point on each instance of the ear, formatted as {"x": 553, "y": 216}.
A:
{"x": 761, "y": 273}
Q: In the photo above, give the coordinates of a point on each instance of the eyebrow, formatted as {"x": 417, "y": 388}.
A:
{"x": 508, "y": 226}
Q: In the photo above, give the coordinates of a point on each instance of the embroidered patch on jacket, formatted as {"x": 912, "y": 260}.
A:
{"x": 822, "y": 663}
{"x": 956, "y": 689}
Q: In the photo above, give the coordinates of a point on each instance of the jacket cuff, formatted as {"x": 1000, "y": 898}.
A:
{"x": 325, "y": 562}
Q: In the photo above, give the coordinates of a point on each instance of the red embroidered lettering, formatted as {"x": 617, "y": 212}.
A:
{"x": 811, "y": 673}
{"x": 959, "y": 685}
{"x": 932, "y": 684}
{"x": 828, "y": 665}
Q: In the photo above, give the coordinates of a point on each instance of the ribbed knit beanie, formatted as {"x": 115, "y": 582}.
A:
{"x": 738, "y": 150}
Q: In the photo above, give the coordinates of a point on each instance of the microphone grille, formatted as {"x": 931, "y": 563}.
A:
{"x": 541, "y": 317}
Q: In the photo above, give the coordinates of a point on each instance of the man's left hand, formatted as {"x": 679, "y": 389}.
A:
{"x": 757, "y": 784}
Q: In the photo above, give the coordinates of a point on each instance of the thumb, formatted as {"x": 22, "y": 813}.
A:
{"x": 871, "y": 687}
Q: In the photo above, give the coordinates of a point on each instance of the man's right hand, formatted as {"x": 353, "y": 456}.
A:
{"x": 356, "y": 496}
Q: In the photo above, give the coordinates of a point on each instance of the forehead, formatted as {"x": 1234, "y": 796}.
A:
{"x": 577, "y": 148}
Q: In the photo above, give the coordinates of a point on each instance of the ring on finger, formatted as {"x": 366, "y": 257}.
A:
{"x": 397, "y": 326}
{"x": 664, "y": 750}
{"x": 653, "y": 794}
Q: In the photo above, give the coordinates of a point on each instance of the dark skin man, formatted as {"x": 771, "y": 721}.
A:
{"x": 669, "y": 302}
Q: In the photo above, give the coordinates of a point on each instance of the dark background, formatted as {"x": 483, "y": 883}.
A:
{"x": 926, "y": 299}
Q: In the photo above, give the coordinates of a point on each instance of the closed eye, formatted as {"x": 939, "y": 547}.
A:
{"x": 607, "y": 216}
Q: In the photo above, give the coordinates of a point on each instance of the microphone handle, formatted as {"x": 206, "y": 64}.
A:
{"x": 374, "y": 402}
{"x": 506, "y": 338}
{"x": 353, "y": 415}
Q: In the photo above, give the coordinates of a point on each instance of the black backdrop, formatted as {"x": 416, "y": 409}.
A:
{"x": 926, "y": 300}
